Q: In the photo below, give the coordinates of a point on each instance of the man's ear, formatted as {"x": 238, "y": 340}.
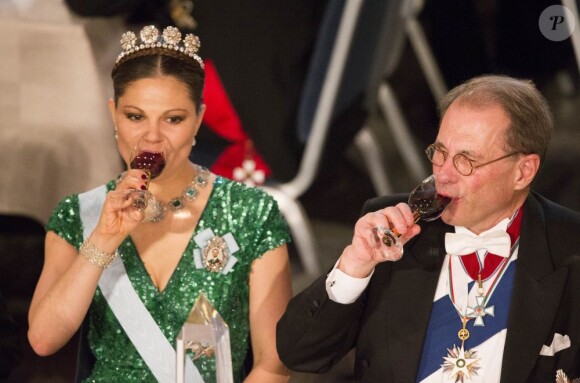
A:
{"x": 527, "y": 170}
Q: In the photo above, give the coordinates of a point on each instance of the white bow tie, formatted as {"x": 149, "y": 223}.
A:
{"x": 496, "y": 242}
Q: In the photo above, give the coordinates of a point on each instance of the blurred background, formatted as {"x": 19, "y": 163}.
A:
{"x": 333, "y": 102}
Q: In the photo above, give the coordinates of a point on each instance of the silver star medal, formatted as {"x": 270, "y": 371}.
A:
{"x": 562, "y": 378}
{"x": 462, "y": 364}
{"x": 479, "y": 311}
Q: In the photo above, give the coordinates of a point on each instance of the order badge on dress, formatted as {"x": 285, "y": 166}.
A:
{"x": 215, "y": 253}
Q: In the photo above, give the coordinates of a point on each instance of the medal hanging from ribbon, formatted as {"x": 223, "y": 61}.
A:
{"x": 464, "y": 364}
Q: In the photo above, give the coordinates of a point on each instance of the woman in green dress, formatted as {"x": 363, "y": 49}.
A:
{"x": 109, "y": 260}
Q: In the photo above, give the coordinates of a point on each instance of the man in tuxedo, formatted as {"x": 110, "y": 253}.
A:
{"x": 488, "y": 293}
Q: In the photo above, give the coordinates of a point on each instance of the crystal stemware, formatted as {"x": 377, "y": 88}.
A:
{"x": 151, "y": 159}
{"x": 425, "y": 203}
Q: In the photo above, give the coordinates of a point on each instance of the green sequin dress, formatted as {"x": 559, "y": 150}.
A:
{"x": 249, "y": 214}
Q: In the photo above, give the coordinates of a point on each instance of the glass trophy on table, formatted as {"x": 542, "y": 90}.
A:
{"x": 205, "y": 333}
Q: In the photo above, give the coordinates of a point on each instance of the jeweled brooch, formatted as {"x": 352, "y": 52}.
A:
{"x": 215, "y": 253}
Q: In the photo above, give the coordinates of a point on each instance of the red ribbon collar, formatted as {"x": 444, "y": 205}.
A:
{"x": 491, "y": 261}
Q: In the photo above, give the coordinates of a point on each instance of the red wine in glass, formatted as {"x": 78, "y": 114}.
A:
{"x": 425, "y": 203}
{"x": 153, "y": 163}
{"x": 428, "y": 206}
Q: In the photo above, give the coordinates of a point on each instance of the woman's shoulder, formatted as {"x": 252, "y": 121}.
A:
{"x": 70, "y": 203}
{"x": 255, "y": 214}
{"x": 239, "y": 190}
{"x": 253, "y": 203}
{"x": 65, "y": 218}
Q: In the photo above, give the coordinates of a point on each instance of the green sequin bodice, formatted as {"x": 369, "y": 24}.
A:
{"x": 257, "y": 226}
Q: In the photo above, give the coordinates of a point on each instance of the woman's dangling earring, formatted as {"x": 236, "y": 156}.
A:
{"x": 116, "y": 134}
{"x": 194, "y": 142}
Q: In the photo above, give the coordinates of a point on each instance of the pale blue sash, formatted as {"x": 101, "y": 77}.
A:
{"x": 139, "y": 325}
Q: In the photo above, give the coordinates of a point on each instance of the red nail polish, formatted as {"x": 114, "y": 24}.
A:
{"x": 143, "y": 187}
{"x": 143, "y": 176}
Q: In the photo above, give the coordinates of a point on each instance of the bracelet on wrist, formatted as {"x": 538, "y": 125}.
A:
{"x": 96, "y": 256}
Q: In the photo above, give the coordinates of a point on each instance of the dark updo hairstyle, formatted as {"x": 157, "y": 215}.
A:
{"x": 159, "y": 64}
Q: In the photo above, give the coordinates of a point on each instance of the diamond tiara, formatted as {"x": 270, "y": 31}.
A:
{"x": 152, "y": 42}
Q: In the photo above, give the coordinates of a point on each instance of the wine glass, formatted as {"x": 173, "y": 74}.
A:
{"x": 150, "y": 158}
{"x": 425, "y": 203}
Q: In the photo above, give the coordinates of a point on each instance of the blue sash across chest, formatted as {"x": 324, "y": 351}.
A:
{"x": 444, "y": 323}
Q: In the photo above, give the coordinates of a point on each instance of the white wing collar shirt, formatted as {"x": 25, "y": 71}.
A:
{"x": 459, "y": 294}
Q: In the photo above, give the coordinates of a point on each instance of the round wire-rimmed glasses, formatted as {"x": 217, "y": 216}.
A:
{"x": 464, "y": 165}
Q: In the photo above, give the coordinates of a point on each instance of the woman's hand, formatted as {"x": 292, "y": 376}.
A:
{"x": 119, "y": 215}
{"x": 68, "y": 281}
{"x": 360, "y": 257}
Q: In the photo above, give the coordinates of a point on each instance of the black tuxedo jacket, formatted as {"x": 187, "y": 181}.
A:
{"x": 387, "y": 324}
